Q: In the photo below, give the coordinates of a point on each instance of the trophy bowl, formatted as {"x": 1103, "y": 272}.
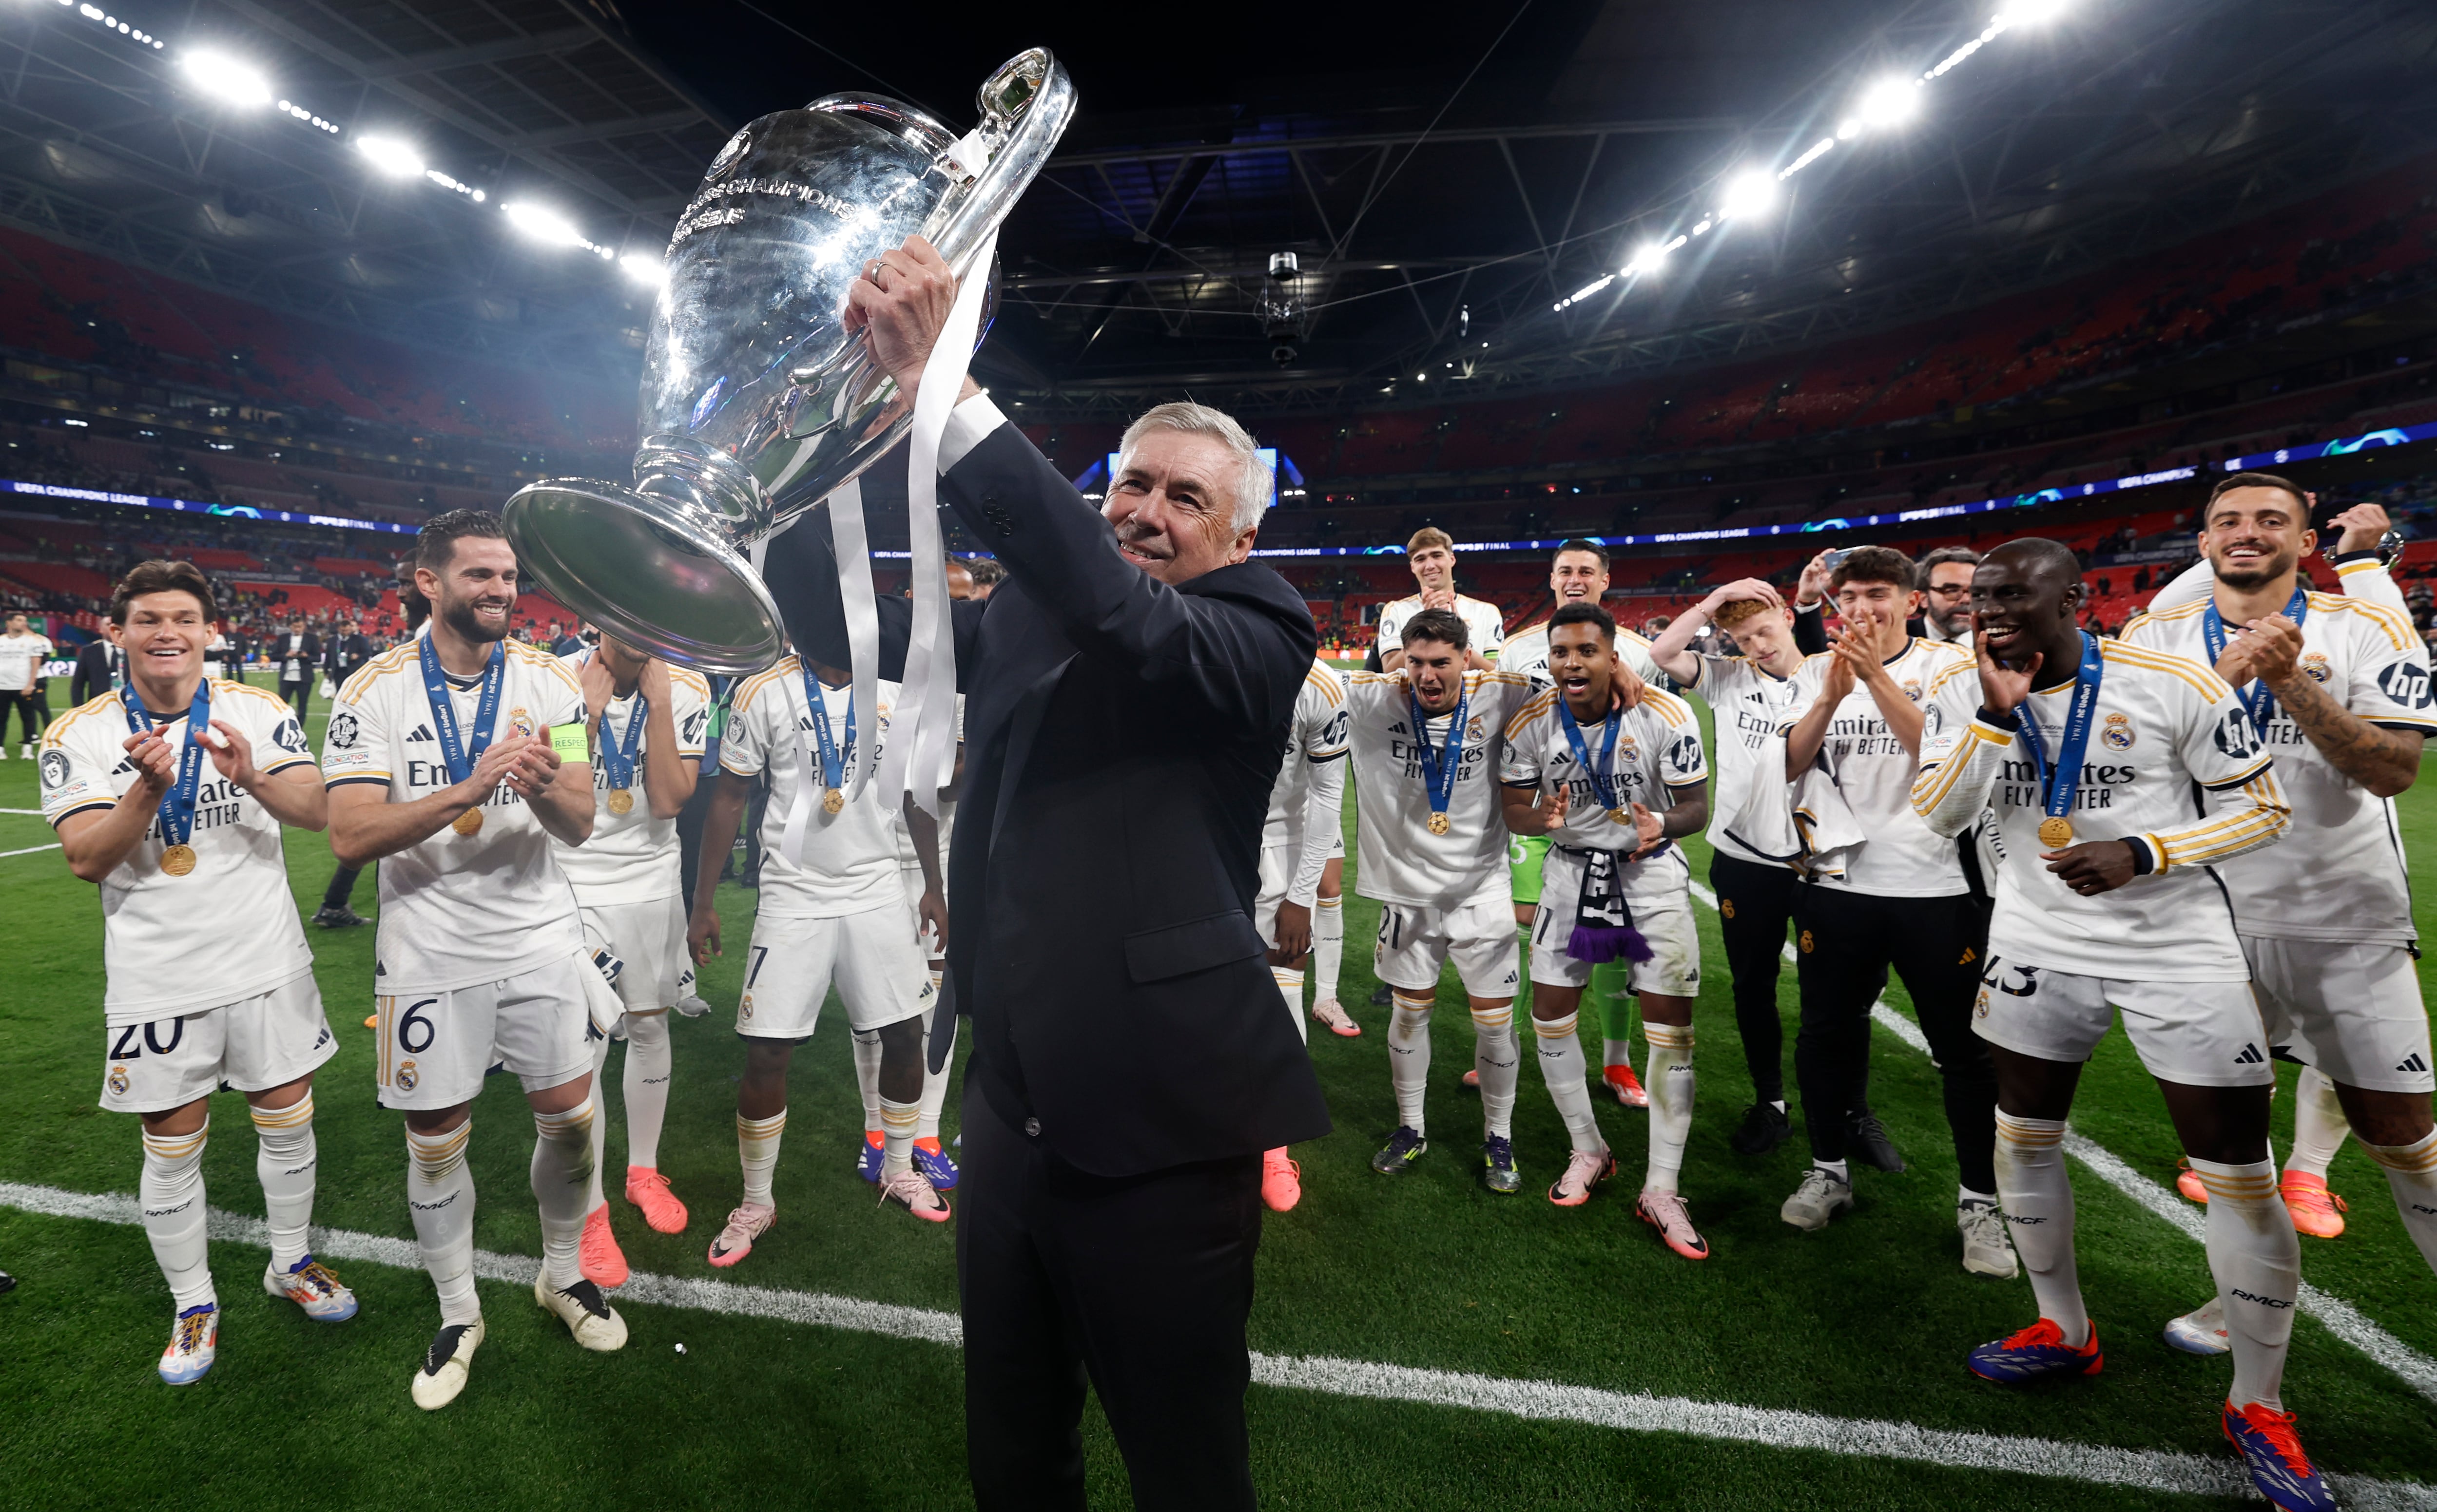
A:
{"x": 755, "y": 402}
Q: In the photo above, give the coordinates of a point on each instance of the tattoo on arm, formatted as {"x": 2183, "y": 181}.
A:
{"x": 2384, "y": 761}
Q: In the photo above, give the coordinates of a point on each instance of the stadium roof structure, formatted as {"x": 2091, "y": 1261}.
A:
{"x": 1460, "y": 183}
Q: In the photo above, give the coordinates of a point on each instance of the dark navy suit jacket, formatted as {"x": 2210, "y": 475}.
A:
{"x": 1121, "y": 739}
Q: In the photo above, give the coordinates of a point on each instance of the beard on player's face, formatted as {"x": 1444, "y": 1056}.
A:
{"x": 480, "y": 618}
{"x": 2250, "y": 561}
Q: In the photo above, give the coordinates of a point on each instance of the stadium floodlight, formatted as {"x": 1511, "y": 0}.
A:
{"x": 543, "y": 224}
{"x": 1748, "y": 194}
{"x": 2032, "y": 12}
{"x": 1890, "y": 102}
{"x": 1646, "y": 259}
{"x": 225, "y": 79}
{"x": 644, "y": 269}
{"x": 395, "y": 158}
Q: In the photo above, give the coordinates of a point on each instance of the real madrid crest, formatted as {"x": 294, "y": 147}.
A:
{"x": 2314, "y": 667}
{"x": 2118, "y": 735}
{"x": 406, "y": 1077}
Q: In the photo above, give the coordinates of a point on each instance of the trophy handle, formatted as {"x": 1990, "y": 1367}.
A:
{"x": 1025, "y": 109}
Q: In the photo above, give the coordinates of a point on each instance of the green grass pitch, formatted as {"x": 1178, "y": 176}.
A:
{"x": 1868, "y": 1320}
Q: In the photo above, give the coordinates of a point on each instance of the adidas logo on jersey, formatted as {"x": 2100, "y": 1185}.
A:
{"x": 2249, "y": 1056}
{"x": 2413, "y": 1062}
{"x": 422, "y": 732}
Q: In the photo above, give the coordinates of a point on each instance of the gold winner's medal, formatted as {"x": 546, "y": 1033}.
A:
{"x": 622, "y": 802}
{"x": 833, "y": 801}
{"x": 1618, "y": 816}
{"x": 2055, "y": 832}
{"x": 469, "y": 822}
{"x": 178, "y": 860}
{"x": 1438, "y": 823}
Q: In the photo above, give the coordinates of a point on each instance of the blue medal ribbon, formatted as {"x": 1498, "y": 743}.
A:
{"x": 2060, "y": 783}
{"x": 2256, "y": 695}
{"x": 1602, "y": 771}
{"x": 617, "y": 763}
{"x": 1439, "y": 768}
{"x": 178, "y": 804}
{"x": 833, "y": 757}
{"x": 459, "y": 754}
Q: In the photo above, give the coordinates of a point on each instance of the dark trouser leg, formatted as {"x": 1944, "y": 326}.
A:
{"x": 297, "y": 695}
{"x": 341, "y": 890}
{"x": 1754, "y": 903}
{"x": 24, "y": 709}
{"x": 1939, "y": 956}
{"x": 1840, "y": 962}
{"x": 1147, "y": 1281}
{"x": 689, "y": 821}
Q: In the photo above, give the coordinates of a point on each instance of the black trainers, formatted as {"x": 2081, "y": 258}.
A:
{"x": 1866, "y": 1139}
{"x": 342, "y": 918}
{"x": 1764, "y": 1127}
{"x": 1380, "y": 996}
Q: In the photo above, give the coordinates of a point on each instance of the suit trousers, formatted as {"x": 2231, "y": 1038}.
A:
{"x": 298, "y": 696}
{"x": 1138, "y": 1286}
{"x": 1847, "y": 942}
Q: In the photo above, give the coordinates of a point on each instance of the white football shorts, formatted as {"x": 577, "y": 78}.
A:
{"x": 252, "y": 1045}
{"x": 2197, "y": 1034}
{"x": 436, "y": 1047}
{"x": 880, "y": 973}
{"x": 651, "y": 939}
{"x": 1415, "y": 944}
{"x": 2350, "y": 1010}
{"x": 910, "y": 874}
{"x": 1673, "y": 968}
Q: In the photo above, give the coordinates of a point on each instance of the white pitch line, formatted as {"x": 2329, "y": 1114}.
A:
{"x": 2333, "y": 1313}
{"x": 1541, "y": 1400}
{"x": 36, "y": 813}
{"x": 31, "y": 849}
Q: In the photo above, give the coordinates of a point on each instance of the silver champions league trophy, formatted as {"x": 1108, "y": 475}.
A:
{"x": 756, "y": 403}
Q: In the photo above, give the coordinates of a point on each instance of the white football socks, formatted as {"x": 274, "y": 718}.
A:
{"x": 645, "y": 1087}
{"x": 897, "y": 1124}
{"x": 1498, "y": 1056}
{"x": 172, "y": 1191}
{"x": 757, "y": 1150}
{"x": 2412, "y": 1175}
{"x": 2256, "y": 1258}
{"x": 1290, "y": 981}
{"x": 440, "y": 1195}
{"x": 284, "y": 1158}
{"x": 600, "y": 1136}
{"x": 1668, "y": 1082}
{"x": 1562, "y": 1068}
{"x": 2036, "y": 1197}
{"x": 2319, "y": 1125}
{"x": 562, "y": 1171}
{"x": 1327, "y": 945}
{"x": 866, "y": 1076}
{"x": 934, "y": 1084}
{"x": 1409, "y": 1054}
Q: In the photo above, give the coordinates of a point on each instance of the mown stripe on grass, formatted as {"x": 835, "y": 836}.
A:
{"x": 1545, "y": 1400}
{"x": 2333, "y": 1313}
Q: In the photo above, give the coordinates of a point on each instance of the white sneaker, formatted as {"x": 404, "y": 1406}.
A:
{"x": 309, "y": 1285}
{"x": 692, "y": 1005}
{"x": 1988, "y": 1249}
{"x": 1820, "y": 1197}
{"x": 194, "y": 1339}
{"x": 595, "y": 1324}
{"x": 447, "y": 1363}
{"x": 2201, "y": 1330}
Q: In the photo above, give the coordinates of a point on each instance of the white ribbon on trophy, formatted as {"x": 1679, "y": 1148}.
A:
{"x": 920, "y": 756}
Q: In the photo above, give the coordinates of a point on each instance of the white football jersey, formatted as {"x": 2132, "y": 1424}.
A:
{"x": 1318, "y": 734}
{"x": 849, "y": 857}
{"x": 1400, "y": 861}
{"x": 225, "y": 930}
{"x": 2338, "y": 874}
{"x": 2164, "y": 731}
{"x": 1483, "y": 623}
{"x": 1527, "y": 651}
{"x": 1750, "y": 709}
{"x": 1873, "y": 770}
{"x": 1658, "y": 748}
{"x": 21, "y": 656}
{"x": 457, "y": 910}
{"x": 633, "y": 857}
